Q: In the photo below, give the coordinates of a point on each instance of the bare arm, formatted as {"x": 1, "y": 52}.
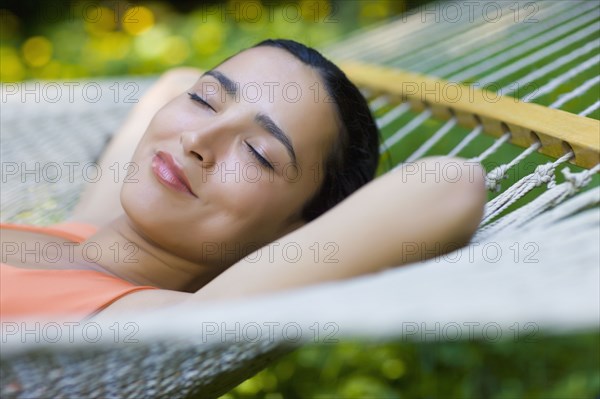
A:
{"x": 415, "y": 213}
{"x": 99, "y": 202}
{"x": 405, "y": 216}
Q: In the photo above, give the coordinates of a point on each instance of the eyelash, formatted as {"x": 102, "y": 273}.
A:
{"x": 259, "y": 157}
{"x": 199, "y": 99}
{"x": 251, "y": 149}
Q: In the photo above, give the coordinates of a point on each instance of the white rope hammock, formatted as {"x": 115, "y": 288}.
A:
{"x": 533, "y": 264}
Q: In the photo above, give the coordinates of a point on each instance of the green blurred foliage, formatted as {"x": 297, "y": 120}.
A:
{"x": 541, "y": 366}
{"x": 74, "y": 39}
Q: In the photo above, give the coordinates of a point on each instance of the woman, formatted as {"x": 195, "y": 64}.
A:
{"x": 227, "y": 190}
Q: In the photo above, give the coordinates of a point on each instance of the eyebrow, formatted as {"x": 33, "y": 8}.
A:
{"x": 231, "y": 88}
{"x": 271, "y": 127}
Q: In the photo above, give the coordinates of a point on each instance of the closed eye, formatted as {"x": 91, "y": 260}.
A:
{"x": 200, "y": 100}
{"x": 262, "y": 160}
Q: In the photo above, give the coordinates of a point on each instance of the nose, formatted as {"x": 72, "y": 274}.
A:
{"x": 199, "y": 145}
{"x": 210, "y": 139}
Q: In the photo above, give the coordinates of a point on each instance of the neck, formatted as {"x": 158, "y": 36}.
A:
{"x": 124, "y": 252}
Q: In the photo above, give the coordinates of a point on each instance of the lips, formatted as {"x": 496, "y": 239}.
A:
{"x": 170, "y": 174}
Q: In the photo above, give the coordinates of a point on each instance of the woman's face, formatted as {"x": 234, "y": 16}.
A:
{"x": 219, "y": 180}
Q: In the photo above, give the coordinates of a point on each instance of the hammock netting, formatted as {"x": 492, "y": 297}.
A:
{"x": 546, "y": 206}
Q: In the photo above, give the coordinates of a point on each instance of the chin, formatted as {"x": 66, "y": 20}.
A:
{"x": 147, "y": 214}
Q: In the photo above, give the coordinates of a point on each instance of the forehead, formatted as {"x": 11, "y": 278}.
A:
{"x": 275, "y": 83}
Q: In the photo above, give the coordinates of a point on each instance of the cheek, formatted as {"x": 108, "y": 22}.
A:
{"x": 255, "y": 207}
{"x": 155, "y": 132}
{"x": 169, "y": 121}
{"x": 247, "y": 199}
{"x": 141, "y": 197}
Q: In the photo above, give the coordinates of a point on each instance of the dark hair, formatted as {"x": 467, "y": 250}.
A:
{"x": 353, "y": 160}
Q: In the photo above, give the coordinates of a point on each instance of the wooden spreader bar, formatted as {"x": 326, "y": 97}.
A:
{"x": 558, "y": 131}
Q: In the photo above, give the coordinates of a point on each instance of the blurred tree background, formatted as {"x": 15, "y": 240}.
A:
{"x": 68, "y": 39}
{"x": 72, "y": 39}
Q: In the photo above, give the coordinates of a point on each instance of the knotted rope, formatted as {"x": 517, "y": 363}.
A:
{"x": 492, "y": 180}
{"x": 555, "y": 194}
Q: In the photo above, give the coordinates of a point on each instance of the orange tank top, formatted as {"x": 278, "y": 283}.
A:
{"x": 72, "y": 294}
